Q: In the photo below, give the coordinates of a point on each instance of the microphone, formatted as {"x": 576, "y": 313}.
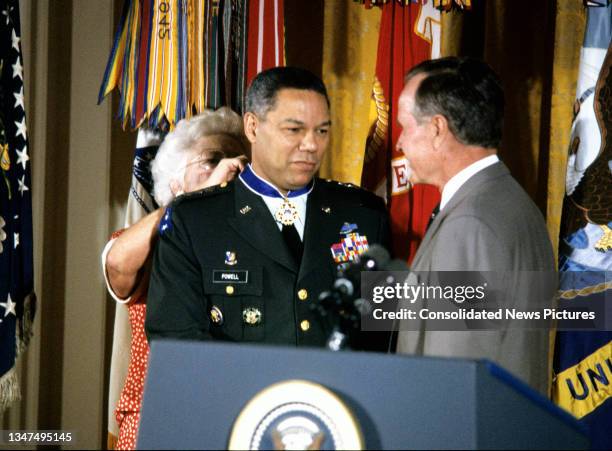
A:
{"x": 342, "y": 306}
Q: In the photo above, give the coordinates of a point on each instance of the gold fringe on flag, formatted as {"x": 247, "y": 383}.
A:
{"x": 9, "y": 387}
{"x": 447, "y": 5}
{"x": 443, "y": 5}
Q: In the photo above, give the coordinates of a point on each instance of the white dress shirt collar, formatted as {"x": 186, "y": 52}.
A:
{"x": 273, "y": 203}
{"x": 457, "y": 181}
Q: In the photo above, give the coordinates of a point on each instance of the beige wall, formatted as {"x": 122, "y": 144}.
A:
{"x": 80, "y": 176}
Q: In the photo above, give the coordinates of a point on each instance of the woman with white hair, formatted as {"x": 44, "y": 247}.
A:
{"x": 202, "y": 151}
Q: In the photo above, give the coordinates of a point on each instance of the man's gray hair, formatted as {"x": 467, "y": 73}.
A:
{"x": 467, "y": 92}
{"x": 172, "y": 156}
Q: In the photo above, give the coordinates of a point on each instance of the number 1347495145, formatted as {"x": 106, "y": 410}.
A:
{"x": 36, "y": 437}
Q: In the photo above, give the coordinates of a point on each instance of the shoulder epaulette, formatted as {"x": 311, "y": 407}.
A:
{"x": 337, "y": 183}
{"x": 356, "y": 194}
{"x": 165, "y": 225}
{"x": 210, "y": 191}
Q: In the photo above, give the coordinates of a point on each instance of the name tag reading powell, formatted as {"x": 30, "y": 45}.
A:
{"x": 235, "y": 276}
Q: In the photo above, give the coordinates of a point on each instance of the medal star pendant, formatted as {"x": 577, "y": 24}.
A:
{"x": 287, "y": 213}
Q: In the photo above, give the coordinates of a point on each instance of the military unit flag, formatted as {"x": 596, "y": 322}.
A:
{"x": 443, "y": 5}
{"x": 582, "y": 383}
{"x": 171, "y": 59}
{"x": 408, "y": 35}
{"x": 266, "y": 36}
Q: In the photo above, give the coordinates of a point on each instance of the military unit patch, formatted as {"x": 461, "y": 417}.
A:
{"x": 230, "y": 258}
{"x": 165, "y": 225}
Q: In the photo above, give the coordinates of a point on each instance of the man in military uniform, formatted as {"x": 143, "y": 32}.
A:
{"x": 245, "y": 260}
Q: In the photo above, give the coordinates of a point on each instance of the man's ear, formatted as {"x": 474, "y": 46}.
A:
{"x": 440, "y": 130}
{"x": 250, "y": 126}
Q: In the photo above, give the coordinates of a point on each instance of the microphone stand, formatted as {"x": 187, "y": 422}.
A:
{"x": 341, "y": 308}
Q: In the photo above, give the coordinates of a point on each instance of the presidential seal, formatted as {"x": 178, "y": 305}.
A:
{"x": 297, "y": 415}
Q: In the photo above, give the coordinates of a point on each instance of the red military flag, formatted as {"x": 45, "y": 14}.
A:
{"x": 266, "y": 36}
{"x": 409, "y": 34}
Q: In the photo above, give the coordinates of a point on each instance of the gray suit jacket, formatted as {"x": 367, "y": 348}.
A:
{"x": 490, "y": 224}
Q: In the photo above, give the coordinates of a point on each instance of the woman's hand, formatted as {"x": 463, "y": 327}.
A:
{"x": 226, "y": 170}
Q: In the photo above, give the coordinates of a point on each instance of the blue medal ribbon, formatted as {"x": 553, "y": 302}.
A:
{"x": 263, "y": 188}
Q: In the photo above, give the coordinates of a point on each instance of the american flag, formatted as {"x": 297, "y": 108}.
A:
{"x": 17, "y": 300}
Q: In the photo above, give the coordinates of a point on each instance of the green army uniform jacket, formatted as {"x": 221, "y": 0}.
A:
{"x": 222, "y": 271}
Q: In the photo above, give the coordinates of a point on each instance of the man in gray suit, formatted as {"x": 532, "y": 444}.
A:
{"x": 451, "y": 112}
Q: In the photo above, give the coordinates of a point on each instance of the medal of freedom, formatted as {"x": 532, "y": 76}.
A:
{"x": 287, "y": 213}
